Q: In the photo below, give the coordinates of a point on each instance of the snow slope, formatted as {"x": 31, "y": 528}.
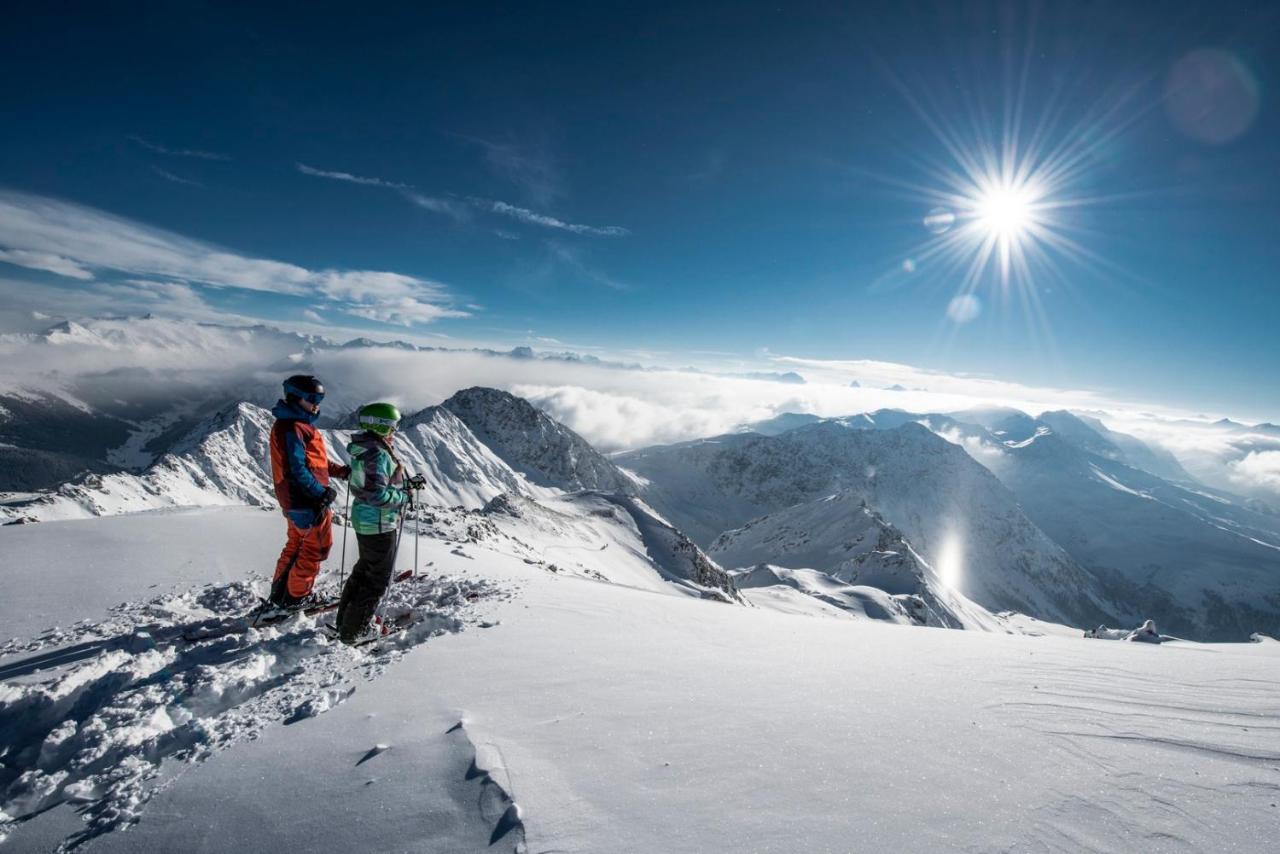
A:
{"x": 1204, "y": 564}
{"x": 222, "y": 460}
{"x": 1201, "y": 567}
{"x": 97, "y": 709}
{"x": 851, "y": 545}
{"x": 950, "y": 508}
{"x": 594, "y": 716}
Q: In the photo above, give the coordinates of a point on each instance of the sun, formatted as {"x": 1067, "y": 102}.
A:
{"x": 999, "y": 215}
{"x": 1006, "y": 212}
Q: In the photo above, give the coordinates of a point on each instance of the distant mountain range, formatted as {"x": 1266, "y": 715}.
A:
{"x": 941, "y": 519}
{"x": 1063, "y": 518}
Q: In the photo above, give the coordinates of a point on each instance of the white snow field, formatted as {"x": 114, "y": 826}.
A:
{"x": 558, "y": 699}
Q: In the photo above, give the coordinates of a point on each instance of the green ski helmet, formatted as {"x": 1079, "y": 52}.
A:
{"x": 380, "y": 418}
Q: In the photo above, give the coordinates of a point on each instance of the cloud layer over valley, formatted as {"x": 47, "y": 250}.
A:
{"x": 614, "y": 406}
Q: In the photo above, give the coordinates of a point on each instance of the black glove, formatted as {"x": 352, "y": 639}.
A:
{"x": 328, "y": 498}
{"x": 417, "y": 481}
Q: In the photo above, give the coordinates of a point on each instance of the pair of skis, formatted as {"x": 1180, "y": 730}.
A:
{"x": 381, "y": 627}
{"x": 259, "y": 618}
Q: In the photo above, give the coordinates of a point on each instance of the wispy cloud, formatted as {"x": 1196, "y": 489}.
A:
{"x": 351, "y": 179}
{"x": 46, "y": 261}
{"x": 177, "y": 152}
{"x": 404, "y": 312}
{"x": 434, "y": 204}
{"x": 547, "y": 221}
{"x": 36, "y": 230}
{"x": 177, "y": 179}
{"x": 462, "y": 211}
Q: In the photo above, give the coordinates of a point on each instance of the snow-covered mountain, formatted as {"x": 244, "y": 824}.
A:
{"x": 534, "y": 443}
{"x": 843, "y": 540}
{"x": 223, "y": 460}
{"x": 1092, "y": 436}
{"x": 46, "y": 439}
{"x": 1203, "y": 563}
{"x": 1199, "y": 564}
{"x": 953, "y": 511}
{"x": 107, "y": 395}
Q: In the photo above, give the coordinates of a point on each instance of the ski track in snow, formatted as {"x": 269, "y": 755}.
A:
{"x": 93, "y": 712}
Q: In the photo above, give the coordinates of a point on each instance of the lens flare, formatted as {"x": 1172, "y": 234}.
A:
{"x": 950, "y": 563}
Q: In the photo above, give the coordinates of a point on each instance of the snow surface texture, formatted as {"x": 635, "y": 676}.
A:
{"x": 634, "y": 718}
{"x": 90, "y": 714}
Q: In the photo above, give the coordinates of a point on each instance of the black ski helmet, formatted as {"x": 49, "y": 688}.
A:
{"x": 304, "y": 386}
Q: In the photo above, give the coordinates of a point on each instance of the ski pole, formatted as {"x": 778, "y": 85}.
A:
{"x": 415, "y": 534}
{"x": 346, "y": 526}
{"x": 400, "y": 533}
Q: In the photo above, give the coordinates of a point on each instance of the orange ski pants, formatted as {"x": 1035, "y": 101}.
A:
{"x": 304, "y": 551}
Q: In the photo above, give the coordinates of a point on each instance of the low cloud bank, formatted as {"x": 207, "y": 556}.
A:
{"x": 613, "y": 407}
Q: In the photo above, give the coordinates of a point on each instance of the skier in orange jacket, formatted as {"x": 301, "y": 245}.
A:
{"x": 301, "y": 471}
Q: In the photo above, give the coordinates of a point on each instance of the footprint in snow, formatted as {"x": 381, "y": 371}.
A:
{"x": 91, "y": 713}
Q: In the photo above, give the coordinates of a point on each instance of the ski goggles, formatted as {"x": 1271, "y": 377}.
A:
{"x": 311, "y": 397}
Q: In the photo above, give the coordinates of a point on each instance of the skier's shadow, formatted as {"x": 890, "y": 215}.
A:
{"x": 61, "y": 656}
{"x": 135, "y": 641}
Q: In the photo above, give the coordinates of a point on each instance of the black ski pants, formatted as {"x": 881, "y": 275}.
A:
{"x": 369, "y": 580}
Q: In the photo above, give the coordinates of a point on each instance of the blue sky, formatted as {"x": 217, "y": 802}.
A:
{"x": 683, "y": 184}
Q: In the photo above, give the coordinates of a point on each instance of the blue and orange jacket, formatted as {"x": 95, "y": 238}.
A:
{"x": 300, "y": 463}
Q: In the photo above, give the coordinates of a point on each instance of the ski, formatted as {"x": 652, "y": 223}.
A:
{"x": 385, "y": 629}
{"x": 255, "y": 620}
{"x": 379, "y": 629}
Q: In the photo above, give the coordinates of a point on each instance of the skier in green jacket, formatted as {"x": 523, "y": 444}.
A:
{"x": 379, "y": 495}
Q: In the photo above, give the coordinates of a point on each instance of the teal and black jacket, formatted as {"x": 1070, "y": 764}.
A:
{"x": 377, "y": 484}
